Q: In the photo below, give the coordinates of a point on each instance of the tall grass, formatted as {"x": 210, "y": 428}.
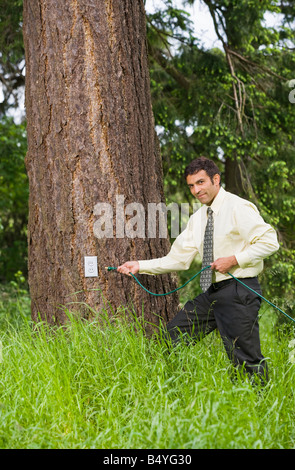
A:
{"x": 105, "y": 384}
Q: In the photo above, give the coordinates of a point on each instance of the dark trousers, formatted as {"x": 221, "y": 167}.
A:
{"x": 233, "y": 310}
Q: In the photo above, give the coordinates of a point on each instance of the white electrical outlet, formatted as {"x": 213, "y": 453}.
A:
{"x": 90, "y": 265}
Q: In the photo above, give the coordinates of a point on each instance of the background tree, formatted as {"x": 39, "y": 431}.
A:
{"x": 13, "y": 178}
{"x": 12, "y": 62}
{"x": 91, "y": 137}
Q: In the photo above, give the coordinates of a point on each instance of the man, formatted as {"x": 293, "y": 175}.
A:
{"x": 231, "y": 232}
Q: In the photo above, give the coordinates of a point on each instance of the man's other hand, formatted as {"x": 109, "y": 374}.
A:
{"x": 223, "y": 265}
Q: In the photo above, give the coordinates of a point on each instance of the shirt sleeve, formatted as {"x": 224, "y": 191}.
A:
{"x": 260, "y": 238}
{"x": 180, "y": 257}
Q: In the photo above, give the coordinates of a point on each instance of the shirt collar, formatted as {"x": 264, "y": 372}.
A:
{"x": 218, "y": 200}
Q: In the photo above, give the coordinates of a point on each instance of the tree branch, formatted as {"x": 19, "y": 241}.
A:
{"x": 170, "y": 69}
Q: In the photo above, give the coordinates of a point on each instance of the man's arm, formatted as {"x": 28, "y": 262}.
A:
{"x": 179, "y": 258}
{"x": 261, "y": 237}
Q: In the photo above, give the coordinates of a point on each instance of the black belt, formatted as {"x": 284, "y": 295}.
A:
{"x": 218, "y": 285}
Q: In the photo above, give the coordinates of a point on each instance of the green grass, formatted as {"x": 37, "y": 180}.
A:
{"x": 104, "y": 384}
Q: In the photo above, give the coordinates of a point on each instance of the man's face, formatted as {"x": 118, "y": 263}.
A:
{"x": 202, "y": 188}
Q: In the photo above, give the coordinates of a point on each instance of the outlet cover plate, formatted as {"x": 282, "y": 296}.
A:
{"x": 90, "y": 266}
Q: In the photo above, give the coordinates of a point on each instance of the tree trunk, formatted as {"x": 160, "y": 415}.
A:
{"x": 232, "y": 176}
{"x": 91, "y": 140}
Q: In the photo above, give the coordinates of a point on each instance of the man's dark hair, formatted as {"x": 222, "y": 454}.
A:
{"x": 202, "y": 163}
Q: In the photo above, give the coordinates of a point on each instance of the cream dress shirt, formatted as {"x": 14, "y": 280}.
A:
{"x": 238, "y": 230}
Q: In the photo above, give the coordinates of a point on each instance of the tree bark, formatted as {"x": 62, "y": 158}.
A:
{"x": 91, "y": 139}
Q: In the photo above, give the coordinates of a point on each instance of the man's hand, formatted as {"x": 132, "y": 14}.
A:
{"x": 223, "y": 265}
{"x": 129, "y": 267}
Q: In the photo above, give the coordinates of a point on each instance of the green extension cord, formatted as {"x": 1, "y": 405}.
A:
{"x": 110, "y": 268}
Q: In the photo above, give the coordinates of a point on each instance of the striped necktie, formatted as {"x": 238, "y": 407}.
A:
{"x": 206, "y": 276}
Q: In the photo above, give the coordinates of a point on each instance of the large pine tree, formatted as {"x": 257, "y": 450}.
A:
{"x": 91, "y": 140}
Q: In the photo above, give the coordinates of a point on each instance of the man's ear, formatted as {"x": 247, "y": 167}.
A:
{"x": 216, "y": 179}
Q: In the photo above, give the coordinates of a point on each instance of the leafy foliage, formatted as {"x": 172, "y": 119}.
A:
{"x": 232, "y": 105}
{"x": 11, "y": 53}
{"x": 13, "y": 199}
